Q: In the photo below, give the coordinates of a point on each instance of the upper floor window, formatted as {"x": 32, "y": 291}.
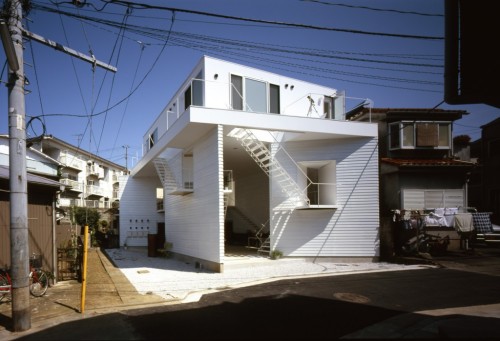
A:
{"x": 420, "y": 134}
{"x": 152, "y": 138}
{"x": 254, "y": 95}
{"x": 193, "y": 95}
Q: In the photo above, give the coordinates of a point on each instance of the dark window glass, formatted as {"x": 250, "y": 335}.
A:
{"x": 237, "y": 92}
{"x": 274, "y": 99}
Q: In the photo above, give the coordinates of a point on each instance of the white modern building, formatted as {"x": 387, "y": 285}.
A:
{"x": 241, "y": 156}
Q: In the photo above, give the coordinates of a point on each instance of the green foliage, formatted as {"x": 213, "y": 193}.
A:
{"x": 276, "y": 254}
{"x": 87, "y": 216}
{"x": 462, "y": 140}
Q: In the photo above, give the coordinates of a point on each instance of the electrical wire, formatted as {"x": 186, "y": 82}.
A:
{"x": 280, "y": 23}
{"x": 120, "y": 40}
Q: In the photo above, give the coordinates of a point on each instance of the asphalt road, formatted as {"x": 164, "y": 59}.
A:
{"x": 321, "y": 308}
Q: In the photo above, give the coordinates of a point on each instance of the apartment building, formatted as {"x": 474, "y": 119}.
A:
{"x": 88, "y": 180}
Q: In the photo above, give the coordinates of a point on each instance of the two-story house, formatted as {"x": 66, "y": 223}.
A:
{"x": 417, "y": 169}
{"x": 277, "y": 150}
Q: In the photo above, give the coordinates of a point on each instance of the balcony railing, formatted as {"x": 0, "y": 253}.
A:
{"x": 71, "y": 161}
{"x": 93, "y": 190}
{"x": 321, "y": 194}
{"x": 303, "y": 106}
{"x": 66, "y": 202}
{"x": 72, "y": 185}
{"x": 159, "y": 205}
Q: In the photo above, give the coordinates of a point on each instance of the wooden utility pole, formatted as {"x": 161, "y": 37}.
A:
{"x": 11, "y": 33}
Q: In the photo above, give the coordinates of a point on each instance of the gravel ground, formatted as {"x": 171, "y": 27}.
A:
{"x": 174, "y": 279}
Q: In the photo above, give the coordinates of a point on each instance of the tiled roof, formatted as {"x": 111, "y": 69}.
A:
{"x": 427, "y": 162}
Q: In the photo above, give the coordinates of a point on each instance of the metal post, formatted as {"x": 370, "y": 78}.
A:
{"x": 19, "y": 237}
{"x": 84, "y": 269}
{"x": 126, "y": 156}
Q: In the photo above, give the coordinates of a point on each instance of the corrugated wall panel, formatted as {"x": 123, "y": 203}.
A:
{"x": 40, "y": 234}
{"x": 350, "y": 230}
{"x": 193, "y": 222}
{"x": 138, "y": 213}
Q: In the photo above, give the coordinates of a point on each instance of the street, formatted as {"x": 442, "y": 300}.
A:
{"x": 310, "y": 308}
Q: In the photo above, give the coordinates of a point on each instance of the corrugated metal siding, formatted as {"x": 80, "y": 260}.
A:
{"x": 138, "y": 213}
{"x": 193, "y": 221}
{"x": 350, "y": 230}
{"x": 40, "y": 234}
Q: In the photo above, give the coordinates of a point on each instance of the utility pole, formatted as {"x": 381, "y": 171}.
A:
{"x": 126, "y": 156}
{"x": 19, "y": 247}
{"x": 12, "y": 39}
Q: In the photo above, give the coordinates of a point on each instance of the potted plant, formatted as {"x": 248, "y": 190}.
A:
{"x": 276, "y": 254}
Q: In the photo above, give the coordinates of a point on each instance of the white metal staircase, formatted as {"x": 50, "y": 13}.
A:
{"x": 165, "y": 173}
{"x": 261, "y": 154}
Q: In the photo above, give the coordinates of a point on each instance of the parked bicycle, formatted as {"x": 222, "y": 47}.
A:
{"x": 39, "y": 280}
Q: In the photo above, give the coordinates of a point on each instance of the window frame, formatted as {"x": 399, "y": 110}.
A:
{"x": 270, "y": 101}
{"x": 399, "y": 141}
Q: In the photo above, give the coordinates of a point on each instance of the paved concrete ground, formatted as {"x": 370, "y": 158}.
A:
{"x": 108, "y": 291}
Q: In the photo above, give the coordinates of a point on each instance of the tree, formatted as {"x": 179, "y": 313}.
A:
{"x": 461, "y": 140}
{"x": 87, "y": 216}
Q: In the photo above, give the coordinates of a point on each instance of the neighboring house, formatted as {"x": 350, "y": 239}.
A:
{"x": 484, "y": 187}
{"x": 417, "y": 169}
{"x": 41, "y": 196}
{"x": 36, "y": 161}
{"x": 89, "y": 180}
{"x": 238, "y": 149}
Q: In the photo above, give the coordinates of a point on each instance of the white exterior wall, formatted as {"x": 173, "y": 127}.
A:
{"x": 138, "y": 214}
{"x": 293, "y": 92}
{"x": 194, "y": 222}
{"x": 349, "y": 231}
{"x": 217, "y": 93}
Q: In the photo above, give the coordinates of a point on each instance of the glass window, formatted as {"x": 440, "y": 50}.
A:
{"x": 187, "y": 98}
{"x": 408, "y": 135}
{"x": 274, "y": 99}
{"x": 394, "y": 135}
{"x": 237, "y": 92}
{"x": 328, "y": 107}
{"x": 255, "y": 96}
{"x": 427, "y": 134}
{"x": 153, "y": 138}
{"x": 444, "y": 135}
{"x": 197, "y": 85}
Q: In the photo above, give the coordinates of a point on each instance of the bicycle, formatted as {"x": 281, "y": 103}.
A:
{"x": 38, "y": 279}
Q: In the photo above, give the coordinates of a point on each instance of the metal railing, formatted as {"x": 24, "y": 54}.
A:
{"x": 173, "y": 112}
{"x": 72, "y": 185}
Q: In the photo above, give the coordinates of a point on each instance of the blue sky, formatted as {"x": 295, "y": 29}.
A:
{"x": 103, "y": 111}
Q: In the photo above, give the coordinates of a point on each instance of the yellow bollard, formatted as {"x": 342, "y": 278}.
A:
{"x": 84, "y": 269}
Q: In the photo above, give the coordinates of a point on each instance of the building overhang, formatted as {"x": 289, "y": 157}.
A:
{"x": 196, "y": 122}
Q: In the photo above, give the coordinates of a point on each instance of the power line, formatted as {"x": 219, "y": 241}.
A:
{"x": 280, "y": 23}
{"x": 375, "y": 9}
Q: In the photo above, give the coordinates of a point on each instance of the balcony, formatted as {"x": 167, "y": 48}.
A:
{"x": 71, "y": 161}
{"x": 224, "y": 96}
{"x": 94, "y": 190}
{"x": 72, "y": 185}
